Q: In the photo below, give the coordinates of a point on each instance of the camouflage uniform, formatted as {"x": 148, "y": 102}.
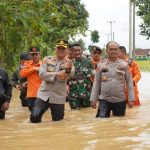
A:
{"x": 80, "y": 84}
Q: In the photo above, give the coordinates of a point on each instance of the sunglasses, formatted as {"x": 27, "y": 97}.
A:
{"x": 97, "y": 52}
{"x": 34, "y": 54}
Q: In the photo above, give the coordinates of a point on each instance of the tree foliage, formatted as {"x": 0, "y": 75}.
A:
{"x": 79, "y": 41}
{"x": 95, "y": 36}
{"x": 144, "y": 13}
{"x": 25, "y": 23}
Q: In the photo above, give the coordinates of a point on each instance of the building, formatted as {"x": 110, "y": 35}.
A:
{"x": 142, "y": 54}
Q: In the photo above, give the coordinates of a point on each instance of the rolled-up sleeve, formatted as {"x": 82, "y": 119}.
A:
{"x": 96, "y": 87}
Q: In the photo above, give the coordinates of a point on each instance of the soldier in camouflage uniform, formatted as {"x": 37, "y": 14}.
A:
{"x": 80, "y": 84}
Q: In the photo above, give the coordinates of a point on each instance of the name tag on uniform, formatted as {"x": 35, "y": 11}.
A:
{"x": 105, "y": 74}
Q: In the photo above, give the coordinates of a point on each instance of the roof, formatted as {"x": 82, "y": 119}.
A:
{"x": 142, "y": 52}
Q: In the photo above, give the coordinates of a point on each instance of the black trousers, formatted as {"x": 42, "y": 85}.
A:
{"x": 105, "y": 108}
{"x": 39, "y": 108}
{"x": 2, "y": 113}
{"x": 23, "y": 99}
{"x": 30, "y": 103}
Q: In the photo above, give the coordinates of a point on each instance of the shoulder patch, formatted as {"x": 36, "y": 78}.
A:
{"x": 44, "y": 60}
{"x": 130, "y": 60}
{"x": 122, "y": 63}
{"x": 103, "y": 60}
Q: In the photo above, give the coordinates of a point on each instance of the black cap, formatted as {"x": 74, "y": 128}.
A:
{"x": 96, "y": 48}
{"x": 24, "y": 56}
{"x": 34, "y": 49}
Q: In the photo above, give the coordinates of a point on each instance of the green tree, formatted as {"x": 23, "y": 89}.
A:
{"x": 79, "y": 41}
{"x": 25, "y": 23}
{"x": 95, "y": 36}
{"x": 144, "y": 13}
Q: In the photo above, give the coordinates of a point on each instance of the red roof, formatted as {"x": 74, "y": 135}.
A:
{"x": 142, "y": 52}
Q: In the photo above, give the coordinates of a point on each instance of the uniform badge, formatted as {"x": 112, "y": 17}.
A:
{"x": 50, "y": 66}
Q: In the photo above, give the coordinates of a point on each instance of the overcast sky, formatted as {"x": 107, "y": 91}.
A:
{"x": 117, "y": 11}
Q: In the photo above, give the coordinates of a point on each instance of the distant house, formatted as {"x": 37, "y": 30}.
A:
{"x": 142, "y": 54}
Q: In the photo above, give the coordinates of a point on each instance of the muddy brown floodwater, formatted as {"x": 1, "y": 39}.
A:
{"x": 80, "y": 130}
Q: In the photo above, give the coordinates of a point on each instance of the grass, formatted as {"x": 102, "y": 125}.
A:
{"x": 144, "y": 65}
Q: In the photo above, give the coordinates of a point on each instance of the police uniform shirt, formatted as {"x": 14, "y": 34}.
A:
{"x": 52, "y": 88}
{"x": 110, "y": 81}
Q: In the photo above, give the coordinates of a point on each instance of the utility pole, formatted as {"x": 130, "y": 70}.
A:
{"x": 130, "y": 28}
{"x": 113, "y": 36}
{"x": 133, "y": 50}
{"x": 111, "y": 33}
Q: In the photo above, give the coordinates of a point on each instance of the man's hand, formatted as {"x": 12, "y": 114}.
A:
{"x": 93, "y": 104}
{"x": 5, "y": 106}
{"x": 130, "y": 104}
{"x": 24, "y": 84}
{"x": 18, "y": 87}
{"x": 61, "y": 75}
{"x": 36, "y": 68}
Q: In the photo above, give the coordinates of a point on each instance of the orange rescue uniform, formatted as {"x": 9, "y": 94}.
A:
{"x": 136, "y": 75}
{"x": 95, "y": 63}
{"x": 32, "y": 76}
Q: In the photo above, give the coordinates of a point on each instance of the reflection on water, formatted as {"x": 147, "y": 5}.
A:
{"x": 80, "y": 130}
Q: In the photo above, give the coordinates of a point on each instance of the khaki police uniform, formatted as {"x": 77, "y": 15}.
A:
{"x": 52, "y": 92}
{"x": 53, "y": 88}
{"x": 110, "y": 81}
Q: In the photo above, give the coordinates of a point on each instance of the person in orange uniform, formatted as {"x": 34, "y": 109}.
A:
{"x": 31, "y": 72}
{"x": 134, "y": 69}
{"x": 96, "y": 56}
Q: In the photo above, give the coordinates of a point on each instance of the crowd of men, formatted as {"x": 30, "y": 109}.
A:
{"x": 70, "y": 76}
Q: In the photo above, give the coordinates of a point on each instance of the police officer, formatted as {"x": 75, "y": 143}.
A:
{"x": 52, "y": 92}
{"x": 109, "y": 85}
{"x": 5, "y": 92}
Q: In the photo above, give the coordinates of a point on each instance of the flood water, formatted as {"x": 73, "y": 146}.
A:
{"x": 80, "y": 130}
